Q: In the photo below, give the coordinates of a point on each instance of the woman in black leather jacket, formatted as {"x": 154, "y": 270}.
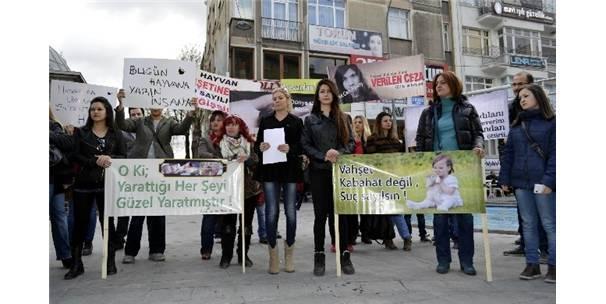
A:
{"x": 95, "y": 145}
{"x": 326, "y": 135}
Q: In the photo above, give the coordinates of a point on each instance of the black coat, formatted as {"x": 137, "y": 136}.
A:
{"x": 466, "y": 121}
{"x": 319, "y": 136}
{"x": 86, "y": 146}
{"x": 61, "y": 173}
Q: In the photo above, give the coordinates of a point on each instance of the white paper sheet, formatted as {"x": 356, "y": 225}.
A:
{"x": 274, "y": 137}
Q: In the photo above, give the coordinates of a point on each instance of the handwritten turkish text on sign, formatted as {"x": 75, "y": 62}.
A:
{"x": 159, "y": 83}
{"x": 166, "y": 187}
{"x": 70, "y": 100}
{"x": 398, "y": 183}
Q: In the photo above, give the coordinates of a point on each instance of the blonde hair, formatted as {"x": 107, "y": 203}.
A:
{"x": 284, "y": 91}
{"x": 366, "y": 132}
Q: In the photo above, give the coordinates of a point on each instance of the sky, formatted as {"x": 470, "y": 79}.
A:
{"x": 94, "y": 37}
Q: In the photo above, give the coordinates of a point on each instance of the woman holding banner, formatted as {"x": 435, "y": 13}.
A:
{"x": 282, "y": 177}
{"x": 209, "y": 148}
{"x": 529, "y": 166}
{"x": 451, "y": 123}
{"x": 326, "y": 135}
{"x": 95, "y": 144}
{"x": 352, "y": 85}
{"x": 235, "y": 144}
{"x": 385, "y": 140}
{"x": 361, "y": 132}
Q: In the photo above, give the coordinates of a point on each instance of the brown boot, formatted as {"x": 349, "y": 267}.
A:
{"x": 274, "y": 260}
{"x": 289, "y": 263}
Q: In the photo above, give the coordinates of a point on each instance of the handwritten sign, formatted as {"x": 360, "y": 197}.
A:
{"x": 70, "y": 100}
{"x": 159, "y": 83}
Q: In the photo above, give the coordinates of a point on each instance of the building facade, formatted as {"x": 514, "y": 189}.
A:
{"x": 278, "y": 39}
{"x": 494, "y": 40}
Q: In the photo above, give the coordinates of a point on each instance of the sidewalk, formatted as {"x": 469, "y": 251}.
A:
{"x": 382, "y": 276}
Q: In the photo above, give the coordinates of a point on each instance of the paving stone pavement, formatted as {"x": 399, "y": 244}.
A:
{"x": 382, "y": 276}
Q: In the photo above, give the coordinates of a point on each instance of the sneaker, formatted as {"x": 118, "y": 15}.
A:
{"x": 531, "y": 272}
{"x": 263, "y": 240}
{"x": 543, "y": 258}
{"x": 346, "y": 265}
{"x": 390, "y": 245}
{"x": 518, "y": 251}
{"x": 407, "y": 244}
{"x": 157, "y": 257}
{"x": 443, "y": 268}
{"x": 550, "y": 277}
{"x": 468, "y": 270}
{"x": 128, "y": 259}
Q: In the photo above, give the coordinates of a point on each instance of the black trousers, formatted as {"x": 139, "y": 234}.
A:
{"x": 229, "y": 227}
{"x": 122, "y": 227}
{"x": 156, "y": 232}
{"x": 420, "y": 224}
{"x": 83, "y": 202}
{"x": 321, "y": 191}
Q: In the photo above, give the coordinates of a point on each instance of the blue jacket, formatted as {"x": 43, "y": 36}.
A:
{"x": 521, "y": 165}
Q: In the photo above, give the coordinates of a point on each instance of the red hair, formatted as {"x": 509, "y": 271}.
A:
{"x": 235, "y": 120}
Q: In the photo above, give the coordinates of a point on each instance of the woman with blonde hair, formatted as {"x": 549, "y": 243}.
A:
{"x": 280, "y": 179}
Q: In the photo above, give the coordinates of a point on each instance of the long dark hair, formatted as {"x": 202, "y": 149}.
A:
{"x": 542, "y": 101}
{"x": 335, "y": 111}
{"x": 365, "y": 91}
{"x": 392, "y": 133}
{"x": 109, "y": 113}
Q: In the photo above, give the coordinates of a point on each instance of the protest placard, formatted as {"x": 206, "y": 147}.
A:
{"x": 396, "y": 78}
{"x": 173, "y": 187}
{"x": 213, "y": 90}
{"x": 494, "y": 113}
{"x": 159, "y": 83}
{"x": 70, "y": 100}
{"x": 398, "y": 183}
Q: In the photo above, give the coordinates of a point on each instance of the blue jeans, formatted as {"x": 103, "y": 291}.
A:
{"x": 207, "y": 232}
{"x": 90, "y": 231}
{"x": 261, "y": 231}
{"x": 441, "y": 230}
{"x": 58, "y": 219}
{"x": 532, "y": 208}
{"x": 398, "y": 220}
{"x": 272, "y": 208}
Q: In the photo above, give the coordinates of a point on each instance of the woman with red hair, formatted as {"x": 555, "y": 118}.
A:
{"x": 235, "y": 145}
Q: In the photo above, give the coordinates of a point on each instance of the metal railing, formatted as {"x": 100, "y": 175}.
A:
{"x": 281, "y": 29}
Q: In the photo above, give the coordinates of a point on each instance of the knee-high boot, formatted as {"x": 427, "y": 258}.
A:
{"x": 227, "y": 245}
{"x": 247, "y": 236}
{"x": 77, "y": 267}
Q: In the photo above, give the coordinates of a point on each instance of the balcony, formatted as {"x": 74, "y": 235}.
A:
{"x": 281, "y": 29}
{"x": 488, "y": 17}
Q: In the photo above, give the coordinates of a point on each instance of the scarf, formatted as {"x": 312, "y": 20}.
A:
{"x": 232, "y": 147}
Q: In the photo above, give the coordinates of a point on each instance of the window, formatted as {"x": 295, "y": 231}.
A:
{"x": 280, "y": 66}
{"x": 330, "y": 13}
{"x": 520, "y": 42}
{"x": 243, "y": 9}
{"x": 473, "y": 3}
{"x": 475, "y": 42}
{"x": 398, "y": 24}
{"x": 280, "y": 9}
{"x": 506, "y": 80}
{"x": 242, "y": 63}
{"x": 473, "y": 83}
{"x": 548, "y": 49}
{"x": 318, "y": 66}
{"x": 446, "y": 37}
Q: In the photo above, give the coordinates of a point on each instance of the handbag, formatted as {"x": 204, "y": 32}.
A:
{"x": 533, "y": 143}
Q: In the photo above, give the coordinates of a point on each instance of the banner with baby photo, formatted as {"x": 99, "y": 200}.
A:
{"x": 398, "y": 183}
